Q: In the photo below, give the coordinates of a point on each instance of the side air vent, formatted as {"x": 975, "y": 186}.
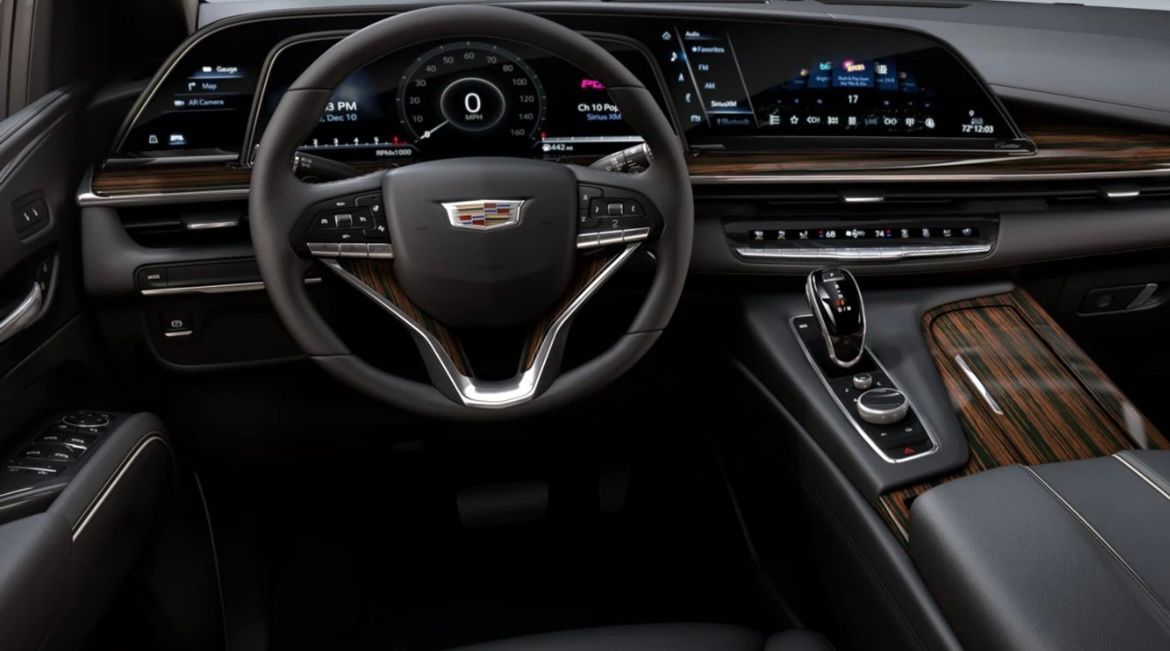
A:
{"x": 183, "y": 225}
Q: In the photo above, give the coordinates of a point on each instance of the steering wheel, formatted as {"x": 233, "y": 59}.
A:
{"x": 472, "y": 244}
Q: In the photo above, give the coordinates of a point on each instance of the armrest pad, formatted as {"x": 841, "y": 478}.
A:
{"x": 1060, "y": 556}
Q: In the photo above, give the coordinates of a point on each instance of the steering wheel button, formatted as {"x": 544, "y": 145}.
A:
{"x": 343, "y": 220}
{"x": 324, "y": 249}
{"x": 587, "y": 194}
{"x": 605, "y": 238}
{"x": 587, "y": 241}
{"x": 353, "y": 250}
{"x": 615, "y": 209}
{"x": 632, "y": 208}
{"x": 635, "y": 234}
{"x": 380, "y": 251}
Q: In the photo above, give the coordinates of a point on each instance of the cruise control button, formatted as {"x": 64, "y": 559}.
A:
{"x": 587, "y": 240}
{"x": 606, "y": 238}
{"x": 635, "y": 234}
{"x": 353, "y": 250}
{"x": 381, "y": 251}
{"x": 324, "y": 249}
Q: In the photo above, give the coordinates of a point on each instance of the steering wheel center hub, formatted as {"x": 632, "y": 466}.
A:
{"x": 483, "y": 242}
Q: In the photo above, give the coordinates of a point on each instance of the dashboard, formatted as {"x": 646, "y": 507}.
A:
{"x": 728, "y": 86}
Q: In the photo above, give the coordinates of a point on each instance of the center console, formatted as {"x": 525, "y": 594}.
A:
{"x": 1057, "y": 556}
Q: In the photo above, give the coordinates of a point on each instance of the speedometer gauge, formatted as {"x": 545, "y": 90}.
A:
{"x": 471, "y": 96}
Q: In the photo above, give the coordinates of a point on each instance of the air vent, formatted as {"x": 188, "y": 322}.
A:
{"x": 167, "y": 226}
{"x": 890, "y": 196}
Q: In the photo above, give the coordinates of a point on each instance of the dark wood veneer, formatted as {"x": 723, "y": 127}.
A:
{"x": 379, "y": 275}
{"x": 1057, "y": 404}
{"x": 587, "y": 269}
{"x": 168, "y": 178}
{"x": 1062, "y": 149}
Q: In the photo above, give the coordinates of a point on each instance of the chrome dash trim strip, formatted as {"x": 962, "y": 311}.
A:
{"x": 127, "y": 463}
{"x": 978, "y": 385}
{"x": 224, "y": 288}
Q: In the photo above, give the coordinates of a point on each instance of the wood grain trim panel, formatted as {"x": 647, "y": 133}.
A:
{"x": 379, "y": 276}
{"x": 587, "y": 269}
{"x": 1057, "y": 404}
{"x": 1061, "y": 149}
{"x": 168, "y": 178}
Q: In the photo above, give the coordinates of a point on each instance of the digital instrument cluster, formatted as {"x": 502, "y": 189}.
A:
{"x": 459, "y": 99}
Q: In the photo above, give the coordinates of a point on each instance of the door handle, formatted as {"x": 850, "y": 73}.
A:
{"x": 24, "y": 314}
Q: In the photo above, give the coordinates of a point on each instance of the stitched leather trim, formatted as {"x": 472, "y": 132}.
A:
{"x": 127, "y": 462}
{"x": 1162, "y": 609}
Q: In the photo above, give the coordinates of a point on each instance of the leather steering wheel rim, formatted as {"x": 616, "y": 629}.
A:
{"x": 277, "y": 198}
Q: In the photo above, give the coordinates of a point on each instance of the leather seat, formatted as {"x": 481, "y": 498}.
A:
{"x": 661, "y": 637}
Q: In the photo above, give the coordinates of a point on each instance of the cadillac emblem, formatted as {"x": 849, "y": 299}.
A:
{"x": 484, "y": 214}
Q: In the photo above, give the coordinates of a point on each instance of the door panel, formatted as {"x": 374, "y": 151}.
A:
{"x": 42, "y": 341}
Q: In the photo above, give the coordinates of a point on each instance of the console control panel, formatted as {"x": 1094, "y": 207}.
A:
{"x": 59, "y": 443}
{"x": 870, "y": 399}
{"x": 861, "y": 241}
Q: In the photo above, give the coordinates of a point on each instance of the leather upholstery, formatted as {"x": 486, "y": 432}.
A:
{"x": 661, "y": 637}
{"x": 1060, "y": 556}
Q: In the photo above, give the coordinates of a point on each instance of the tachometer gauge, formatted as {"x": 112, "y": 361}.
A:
{"x": 471, "y": 98}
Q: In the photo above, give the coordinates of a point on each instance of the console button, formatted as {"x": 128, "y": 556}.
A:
{"x": 862, "y": 381}
{"x": 152, "y": 278}
{"x": 87, "y": 419}
{"x": 882, "y": 406}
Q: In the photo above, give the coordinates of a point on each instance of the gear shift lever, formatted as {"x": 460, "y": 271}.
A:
{"x": 835, "y": 299}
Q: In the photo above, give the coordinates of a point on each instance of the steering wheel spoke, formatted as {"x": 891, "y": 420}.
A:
{"x": 449, "y": 368}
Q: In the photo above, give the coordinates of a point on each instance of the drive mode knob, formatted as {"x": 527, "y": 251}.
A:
{"x": 882, "y": 406}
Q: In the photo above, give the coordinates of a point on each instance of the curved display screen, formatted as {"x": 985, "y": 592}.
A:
{"x": 729, "y": 85}
{"x": 459, "y": 98}
{"x": 740, "y": 80}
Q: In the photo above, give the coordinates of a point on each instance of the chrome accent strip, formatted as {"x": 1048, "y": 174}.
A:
{"x": 23, "y": 314}
{"x": 178, "y": 333}
{"x": 862, "y": 198}
{"x": 713, "y": 179}
{"x": 211, "y": 224}
{"x": 978, "y": 385}
{"x": 849, "y": 416}
{"x": 503, "y": 393}
{"x": 1122, "y": 194}
{"x": 853, "y": 254}
{"x": 93, "y": 507}
{"x": 20, "y": 466}
{"x": 225, "y": 288}
{"x": 1139, "y": 473}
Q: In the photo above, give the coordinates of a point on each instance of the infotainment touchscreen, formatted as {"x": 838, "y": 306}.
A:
{"x": 733, "y": 80}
